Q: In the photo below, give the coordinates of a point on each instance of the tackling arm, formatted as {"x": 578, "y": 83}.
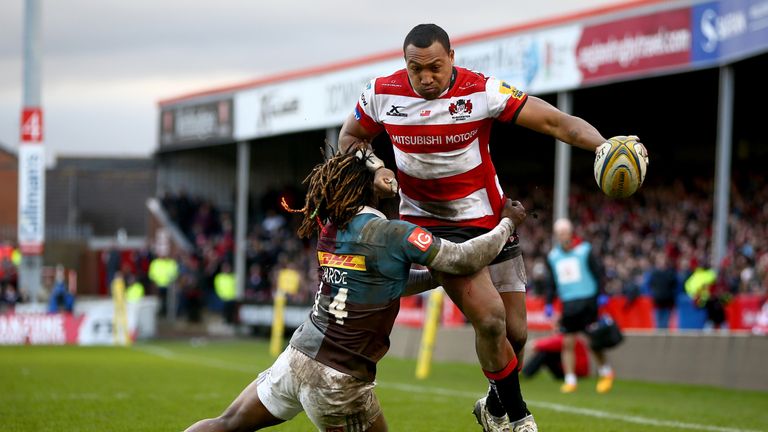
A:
{"x": 461, "y": 258}
{"x": 472, "y": 255}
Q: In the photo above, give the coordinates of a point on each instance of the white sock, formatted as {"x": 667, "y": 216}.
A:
{"x": 570, "y": 379}
{"x": 605, "y": 370}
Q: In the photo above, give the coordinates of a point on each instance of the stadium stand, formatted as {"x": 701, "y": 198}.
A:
{"x": 672, "y": 221}
{"x": 675, "y": 220}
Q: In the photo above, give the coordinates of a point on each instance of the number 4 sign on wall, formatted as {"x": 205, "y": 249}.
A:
{"x": 32, "y": 125}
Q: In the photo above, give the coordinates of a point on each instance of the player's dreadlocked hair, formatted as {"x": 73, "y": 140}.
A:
{"x": 336, "y": 190}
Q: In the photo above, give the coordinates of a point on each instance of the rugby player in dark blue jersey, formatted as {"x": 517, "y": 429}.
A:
{"x": 328, "y": 369}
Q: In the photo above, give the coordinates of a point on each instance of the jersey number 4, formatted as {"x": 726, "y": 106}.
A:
{"x": 338, "y": 306}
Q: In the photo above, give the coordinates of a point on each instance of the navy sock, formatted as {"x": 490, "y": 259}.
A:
{"x": 507, "y": 385}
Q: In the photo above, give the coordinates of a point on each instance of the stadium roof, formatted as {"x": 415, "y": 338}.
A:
{"x": 619, "y": 42}
{"x": 583, "y": 15}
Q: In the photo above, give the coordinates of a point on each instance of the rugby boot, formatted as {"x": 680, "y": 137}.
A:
{"x": 488, "y": 421}
{"x": 525, "y": 424}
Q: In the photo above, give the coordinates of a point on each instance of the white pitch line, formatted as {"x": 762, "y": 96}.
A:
{"x": 570, "y": 409}
{"x": 172, "y": 355}
{"x": 649, "y": 421}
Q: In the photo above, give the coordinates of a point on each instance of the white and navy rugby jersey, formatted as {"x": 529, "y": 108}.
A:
{"x": 441, "y": 146}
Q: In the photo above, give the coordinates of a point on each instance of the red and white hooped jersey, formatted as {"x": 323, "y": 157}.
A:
{"x": 441, "y": 146}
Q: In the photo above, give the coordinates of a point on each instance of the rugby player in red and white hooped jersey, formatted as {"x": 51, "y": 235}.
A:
{"x": 438, "y": 117}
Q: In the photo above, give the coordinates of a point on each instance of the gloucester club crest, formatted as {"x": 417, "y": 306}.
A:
{"x": 461, "y": 109}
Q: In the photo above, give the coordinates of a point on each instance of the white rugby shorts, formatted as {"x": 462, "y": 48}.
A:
{"x": 333, "y": 401}
{"x": 509, "y": 275}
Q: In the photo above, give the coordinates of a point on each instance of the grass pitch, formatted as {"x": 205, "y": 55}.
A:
{"x": 167, "y": 386}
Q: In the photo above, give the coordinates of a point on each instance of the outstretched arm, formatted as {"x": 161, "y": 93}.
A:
{"x": 472, "y": 255}
{"x": 542, "y": 117}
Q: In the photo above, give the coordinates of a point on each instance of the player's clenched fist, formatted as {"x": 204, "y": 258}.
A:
{"x": 515, "y": 211}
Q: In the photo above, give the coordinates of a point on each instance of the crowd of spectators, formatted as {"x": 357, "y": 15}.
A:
{"x": 57, "y": 292}
{"x": 662, "y": 228}
{"x": 649, "y": 244}
{"x": 272, "y": 245}
{"x": 9, "y": 260}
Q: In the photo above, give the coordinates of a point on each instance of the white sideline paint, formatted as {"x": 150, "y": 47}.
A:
{"x": 45, "y": 397}
{"x": 172, "y": 355}
{"x": 568, "y": 409}
{"x": 409, "y": 388}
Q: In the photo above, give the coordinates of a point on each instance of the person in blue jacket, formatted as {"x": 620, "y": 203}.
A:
{"x": 576, "y": 280}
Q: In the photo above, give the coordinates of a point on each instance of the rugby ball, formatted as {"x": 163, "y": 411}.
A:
{"x": 620, "y": 165}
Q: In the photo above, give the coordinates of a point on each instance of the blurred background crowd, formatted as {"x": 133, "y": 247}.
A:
{"x": 649, "y": 246}
{"x": 662, "y": 227}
